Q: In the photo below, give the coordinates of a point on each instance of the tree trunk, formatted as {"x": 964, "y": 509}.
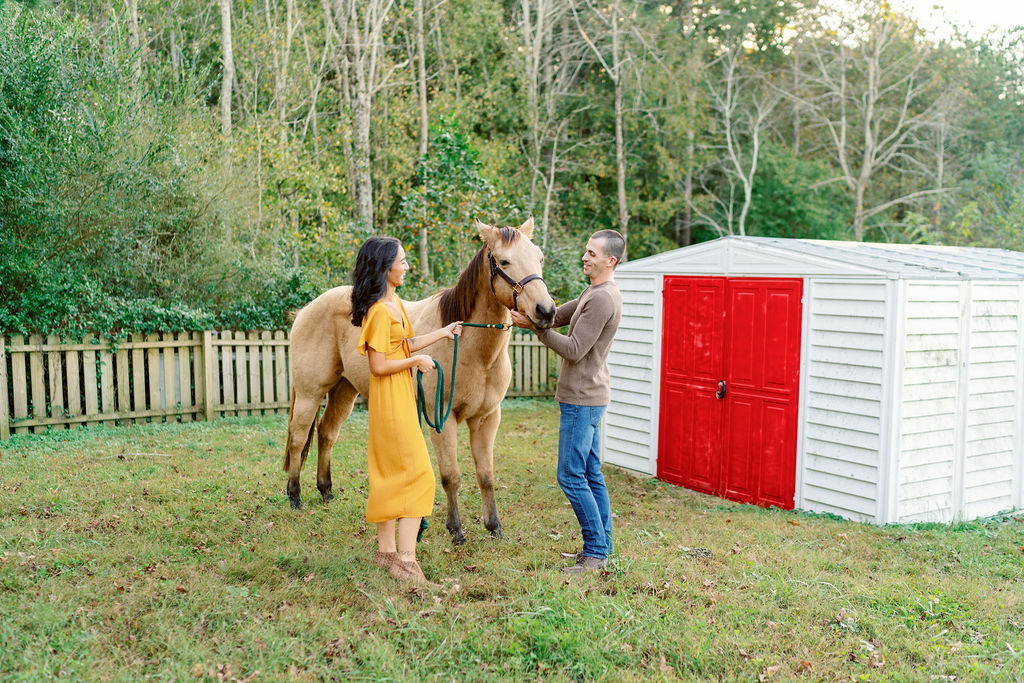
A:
{"x": 361, "y": 140}
{"x": 280, "y": 55}
{"x": 421, "y": 76}
{"x": 175, "y": 56}
{"x": 533, "y": 29}
{"x": 135, "y": 44}
{"x": 339, "y": 60}
{"x": 228, "y": 59}
{"x": 620, "y": 155}
{"x": 421, "y": 80}
{"x": 858, "y": 213}
{"x": 362, "y": 36}
{"x": 940, "y": 165}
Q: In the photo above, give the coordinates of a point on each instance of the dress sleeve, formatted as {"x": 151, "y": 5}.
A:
{"x": 376, "y": 332}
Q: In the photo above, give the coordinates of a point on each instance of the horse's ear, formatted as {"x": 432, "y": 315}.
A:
{"x": 527, "y": 228}
{"x": 486, "y": 231}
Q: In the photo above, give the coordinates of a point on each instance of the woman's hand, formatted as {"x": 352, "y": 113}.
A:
{"x": 453, "y": 330}
{"x": 424, "y": 363}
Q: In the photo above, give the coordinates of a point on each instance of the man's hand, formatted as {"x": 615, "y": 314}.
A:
{"x": 520, "y": 320}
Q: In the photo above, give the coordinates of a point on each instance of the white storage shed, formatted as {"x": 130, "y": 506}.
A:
{"x": 877, "y": 382}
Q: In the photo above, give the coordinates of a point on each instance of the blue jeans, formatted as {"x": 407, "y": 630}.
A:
{"x": 579, "y": 475}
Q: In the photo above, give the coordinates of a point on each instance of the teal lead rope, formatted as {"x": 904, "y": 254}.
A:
{"x": 441, "y": 414}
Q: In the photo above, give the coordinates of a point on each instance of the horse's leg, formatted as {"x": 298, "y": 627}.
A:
{"x": 446, "y": 452}
{"x": 301, "y": 420}
{"x": 340, "y": 400}
{"x": 482, "y": 432}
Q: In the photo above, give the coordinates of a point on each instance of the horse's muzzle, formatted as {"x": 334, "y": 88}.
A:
{"x": 543, "y": 316}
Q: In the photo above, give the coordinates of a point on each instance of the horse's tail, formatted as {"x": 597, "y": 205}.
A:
{"x": 309, "y": 437}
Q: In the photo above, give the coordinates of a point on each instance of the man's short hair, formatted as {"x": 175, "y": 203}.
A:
{"x": 614, "y": 245}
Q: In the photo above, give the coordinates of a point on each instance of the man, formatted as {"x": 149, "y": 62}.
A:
{"x": 583, "y": 393}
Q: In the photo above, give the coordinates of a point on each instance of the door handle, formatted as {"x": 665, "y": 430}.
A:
{"x": 721, "y": 390}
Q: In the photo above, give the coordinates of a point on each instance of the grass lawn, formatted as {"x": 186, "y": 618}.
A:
{"x": 170, "y": 552}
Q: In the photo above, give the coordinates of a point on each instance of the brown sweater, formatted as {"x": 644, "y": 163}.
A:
{"x": 593, "y": 319}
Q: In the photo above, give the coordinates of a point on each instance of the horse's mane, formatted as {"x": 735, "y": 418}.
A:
{"x": 457, "y": 301}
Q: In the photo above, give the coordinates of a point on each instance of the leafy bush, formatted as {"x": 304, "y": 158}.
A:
{"x": 112, "y": 216}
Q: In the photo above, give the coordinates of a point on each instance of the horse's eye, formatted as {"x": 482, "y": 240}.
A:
{"x": 505, "y": 262}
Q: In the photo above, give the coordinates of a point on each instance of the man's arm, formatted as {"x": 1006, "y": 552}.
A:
{"x": 563, "y": 314}
{"x": 573, "y": 347}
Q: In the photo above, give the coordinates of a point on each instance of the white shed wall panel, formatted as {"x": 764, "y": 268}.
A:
{"x": 842, "y": 412}
{"x": 634, "y": 363}
{"x": 991, "y": 399}
{"x": 928, "y": 430}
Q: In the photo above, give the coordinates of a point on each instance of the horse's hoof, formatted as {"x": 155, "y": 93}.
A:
{"x": 496, "y": 533}
{"x": 328, "y": 497}
{"x": 459, "y": 538}
{"x": 296, "y": 503}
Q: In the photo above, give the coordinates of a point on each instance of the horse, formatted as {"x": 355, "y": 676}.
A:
{"x": 504, "y": 274}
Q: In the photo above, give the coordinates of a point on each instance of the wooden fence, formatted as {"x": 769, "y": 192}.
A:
{"x": 46, "y": 384}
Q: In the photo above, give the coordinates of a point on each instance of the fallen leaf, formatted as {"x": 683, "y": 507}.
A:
{"x": 804, "y": 665}
{"x": 335, "y": 648}
{"x": 744, "y": 654}
{"x": 794, "y": 522}
{"x": 768, "y": 672}
{"x": 308, "y": 577}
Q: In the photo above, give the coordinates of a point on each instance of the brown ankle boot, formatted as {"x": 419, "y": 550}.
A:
{"x": 383, "y": 559}
{"x": 407, "y": 570}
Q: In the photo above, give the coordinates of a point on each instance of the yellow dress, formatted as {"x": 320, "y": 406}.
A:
{"x": 401, "y": 479}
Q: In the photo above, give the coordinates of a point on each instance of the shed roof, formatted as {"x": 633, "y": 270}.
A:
{"x": 735, "y": 255}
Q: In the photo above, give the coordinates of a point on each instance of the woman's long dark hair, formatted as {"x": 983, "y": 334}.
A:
{"x": 370, "y": 275}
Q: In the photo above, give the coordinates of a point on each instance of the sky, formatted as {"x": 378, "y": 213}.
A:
{"x": 977, "y": 16}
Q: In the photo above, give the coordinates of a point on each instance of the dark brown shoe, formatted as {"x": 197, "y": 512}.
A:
{"x": 587, "y": 564}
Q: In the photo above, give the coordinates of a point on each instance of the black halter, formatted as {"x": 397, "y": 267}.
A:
{"x": 517, "y": 287}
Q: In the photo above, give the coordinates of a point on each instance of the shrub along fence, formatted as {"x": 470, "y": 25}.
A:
{"x": 185, "y": 376}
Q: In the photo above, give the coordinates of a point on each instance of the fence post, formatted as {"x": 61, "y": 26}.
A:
{"x": 209, "y": 361}
{"x": 5, "y": 412}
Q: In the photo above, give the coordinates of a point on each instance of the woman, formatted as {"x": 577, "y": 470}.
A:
{"x": 401, "y": 478}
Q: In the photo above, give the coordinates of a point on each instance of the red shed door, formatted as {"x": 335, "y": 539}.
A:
{"x": 730, "y": 379}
